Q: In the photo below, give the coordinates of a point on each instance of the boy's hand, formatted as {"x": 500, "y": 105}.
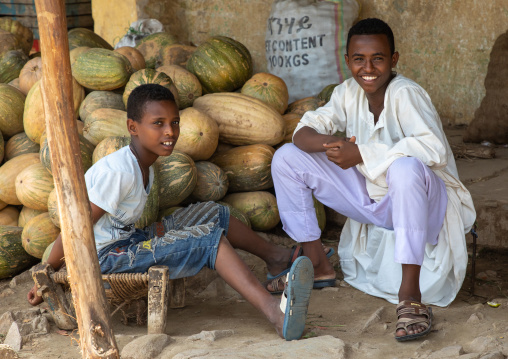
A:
{"x": 32, "y": 296}
{"x": 343, "y": 152}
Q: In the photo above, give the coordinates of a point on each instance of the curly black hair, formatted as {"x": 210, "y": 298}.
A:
{"x": 371, "y": 26}
{"x": 143, "y": 94}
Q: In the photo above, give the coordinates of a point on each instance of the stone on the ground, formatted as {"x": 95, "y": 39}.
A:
{"x": 6, "y": 352}
{"x": 146, "y": 346}
{"x": 23, "y": 326}
{"x": 14, "y": 338}
{"x": 470, "y": 356}
{"x": 6, "y": 292}
{"x": 475, "y": 318}
{"x": 211, "y": 336}
{"x": 325, "y": 346}
{"x": 483, "y": 345}
{"x": 22, "y": 278}
{"x": 373, "y": 319}
{"x": 453, "y": 351}
{"x": 493, "y": 355}
{"x": 6, "y": 321}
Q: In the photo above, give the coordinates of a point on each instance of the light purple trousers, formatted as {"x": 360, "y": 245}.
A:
{"x": 414, "y": 206}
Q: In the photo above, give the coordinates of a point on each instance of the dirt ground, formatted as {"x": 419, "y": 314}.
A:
{"x": 340, "y": 312}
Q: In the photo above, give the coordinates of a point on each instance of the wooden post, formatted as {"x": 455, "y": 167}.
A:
{"x": 96, "y": 336}
{"x": 158, "y": 287}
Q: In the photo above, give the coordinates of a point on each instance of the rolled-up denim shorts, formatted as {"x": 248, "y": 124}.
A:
{"x": 185, "y": 241}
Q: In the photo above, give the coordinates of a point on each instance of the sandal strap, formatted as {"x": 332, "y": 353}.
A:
{"x": 412, "y": 307}
{"x": 296, "y": 251}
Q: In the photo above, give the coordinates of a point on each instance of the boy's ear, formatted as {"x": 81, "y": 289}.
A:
{"x": 395, "y": 59}
{"x": 346, "y": 57}
{"x": 132, "y": 126}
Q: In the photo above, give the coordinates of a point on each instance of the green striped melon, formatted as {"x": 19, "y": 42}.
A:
{"x": 86, "y": 151}
{"x": 100, "y": 99}
{"x": 151, "y": 210}
{"x": 38, "y": 234}
{"x": 12, "y": 103}
{"x": 11, "y": 64}
{"x": 109, "y": 145}
{"x": 150, "y": 76}
{"x": 33, "y": 186}
{"x": 152, "y": 47}
{"x": 242, "y": 217}
{"x": 268, "y": 88}
{"x": 199, "y": 134}
{"x": 9, "y": 216}
{"x": 45, "y": 256}
{"x": 8, "y": 173}
{"x": 53, "y": 208}
{"x": 260, "y": 207}
{"x": 101, "y": 69}
{"x": 27, "y": 214}
{"x": 248, "y": 167}
{"x": 177, "y": 178}
{"x": 176, "y": 54}
{"x": 84, "y": 37}
{"x": 75, "y": 52}
{"x": 301, "y": 106}
{"x": 188, "y": 86}
{"x": 13, "y": 258}
{"x": 103, "y": 123}
{"x": 24, "y": 34}
{"x": 212, "y": 182}
{"x": 221, "y": 64}
{"x": 34, "y": 120}
{"x": 8, "y": 41}
{"x": 326, "y": 93}
{"x": 291, "y": 120}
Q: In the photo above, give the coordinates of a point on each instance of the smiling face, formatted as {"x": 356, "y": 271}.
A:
{"x": 157, "y": 132}
{"x": 370, "y": 60}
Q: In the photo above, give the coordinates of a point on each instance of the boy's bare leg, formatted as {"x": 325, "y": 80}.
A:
{"x": 323, "y": 269}
{"x": 236, "y": 273}
{"x": 276, "y": 257}
{"x": 410, "y": 290}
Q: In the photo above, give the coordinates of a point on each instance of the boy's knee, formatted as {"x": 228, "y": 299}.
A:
{"x": 283, "y": 154}
{"x": 405, "y": 171}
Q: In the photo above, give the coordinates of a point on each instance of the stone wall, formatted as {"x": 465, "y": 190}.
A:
{"x": 444, "y": 45}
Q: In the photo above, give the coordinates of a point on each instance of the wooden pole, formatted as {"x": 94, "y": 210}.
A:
{"x": 96, "y": 336}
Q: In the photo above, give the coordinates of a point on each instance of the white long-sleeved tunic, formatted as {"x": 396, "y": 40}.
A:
{"x": 408, "y": 126}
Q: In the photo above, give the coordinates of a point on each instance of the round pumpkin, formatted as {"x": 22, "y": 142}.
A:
{"x": 199, "y": 134}
{"x": 100, "y": 99}
{"x": 291, "y": 120}
{"x": 268, "y": 88}
{"x": 152, "y": 47}
{"x": 188, "y": 85}
{"x": 101, "y": 69}
{"x": 34, "y": 120}
{"x": 134, "y": 56}
{"x": 30, "y": 74}
{"x": 8, "y": 173}
{"x": 177, "y": 178}
{"x": 33, "y": 186}
{"x": 260, "y": 207}
{"x": 108, "y": 146}
{"x": 74, "y": 53}
{"x": 86, "y": 150}
{"x": 27, "y": 214}
{"x": 9, "y": 216}
{"x": 53, "y": 208}
{"x": 84, "y": 37}
{"x": 12, "y": 102}
{"x": 212, "y": 183}
{"x": 176, "y": 54}
{"x": 38, "y": 234}
{"x": 15, "y": 83}
{"x": 103, "y": 123}
{"x": 301, "y": 106}
{"x": 248, "y": 167}
{"x": 24, "y": 34}
{"x": 242, "y": 217}
{"x": 221, "y": 64}
{"x": 242, "y": 120}
{"x": 150, "y": 76}
{"x": 13, "y": 257}
{"x": 11, "y": 64}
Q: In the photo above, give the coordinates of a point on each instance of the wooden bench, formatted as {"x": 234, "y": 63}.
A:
{"x": 155, "y": 285}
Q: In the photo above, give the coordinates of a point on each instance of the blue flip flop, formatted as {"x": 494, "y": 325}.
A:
{"x": 296, "y": 297}
{"x": 295, "y": 250}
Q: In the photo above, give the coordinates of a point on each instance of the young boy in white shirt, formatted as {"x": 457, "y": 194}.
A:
{"x": 393, "y": 176}
{"x": 200, "y": 235}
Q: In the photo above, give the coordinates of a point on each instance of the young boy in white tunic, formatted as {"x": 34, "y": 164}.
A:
{"x": 394, "y": 177}
{"x": 191, "y": 238}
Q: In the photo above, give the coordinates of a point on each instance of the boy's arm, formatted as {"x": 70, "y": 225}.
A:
{"x": 56, "y": 256}
{"x": 309, "y": 140}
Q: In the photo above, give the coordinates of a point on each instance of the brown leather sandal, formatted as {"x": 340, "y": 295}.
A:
{"x": 414, "y": 308}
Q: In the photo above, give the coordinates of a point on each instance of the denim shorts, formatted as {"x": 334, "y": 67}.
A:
{"x": 185, "y": 241}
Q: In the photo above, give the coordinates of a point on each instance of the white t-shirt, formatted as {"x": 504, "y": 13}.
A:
{"x": 115, "y": 184}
